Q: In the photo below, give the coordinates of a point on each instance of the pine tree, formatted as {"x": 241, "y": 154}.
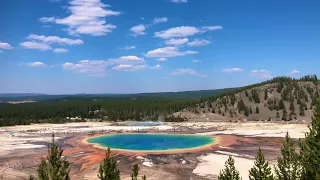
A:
{"x": 310, "y": 148}
{"x": 288, "y": 165}
{"x": 265, "y": 94}
{"x": 108, "y": 169}
{"x": 54, "y": 167}
{"x": 257, "y": 110}
{"x": 261, "y": 169}
{"x": 301, "y": 110}
{"x": 229, "y": 172}
{"x": 135, "y": 172}
{"x": 246, "y": 111}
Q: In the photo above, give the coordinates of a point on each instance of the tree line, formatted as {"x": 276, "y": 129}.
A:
{"x": 106, "y": 109}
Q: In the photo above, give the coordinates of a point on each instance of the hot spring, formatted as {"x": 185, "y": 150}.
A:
{"x": 151, "y": 142}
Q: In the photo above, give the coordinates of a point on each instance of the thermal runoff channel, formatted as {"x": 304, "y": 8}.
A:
{"x": 151, "y": 142}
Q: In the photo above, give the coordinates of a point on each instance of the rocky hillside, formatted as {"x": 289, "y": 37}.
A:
{"x": 281, "y": 98}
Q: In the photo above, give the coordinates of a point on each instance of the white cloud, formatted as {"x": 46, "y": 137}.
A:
{"x": 184, "y": 31}
{"x": 263, "y": 74}
{"x": 99, "y": 67}
{"x": 60, "y": 50}
{"x": 179, "y": 1}
{"x": 232, "y": 70}
{"x": 4, "y": 45}
{"x": 129, "y": 47}
{"x": 168, "y": 52}
{"x": 35, "y": 45}
{"x": 160, "y": 20}
{"x": 196, "y": 61}
{"x": 156, "y": 67}
{"x": 125, "y": 60}
{"x": 162, "y": 59}
{"x": 92, "y": 67}
{"x": 176, "y": 41}
{"x": 187, "y": 71}
{"x": 37, "y": 64}
{"x": 87, "y": 17}
{"x": 138, "y": 30}
{"x": 294, "y": 72}
{"x": 54, "y": 39}
{"x": 199, "y": 42}
{"x": 47, "y": 19}
{"x": 210, "y": 28}
{"x": 129, "y": 67}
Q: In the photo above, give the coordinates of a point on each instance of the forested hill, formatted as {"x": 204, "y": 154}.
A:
{"x": 281, "y": 98}
{"x": 7, "y": 97}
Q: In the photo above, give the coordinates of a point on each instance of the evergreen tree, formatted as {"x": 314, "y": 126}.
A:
{"x": 265, "y": 94}
{"x": 135, "y": 172}
{"x": 301, "y": 110}
{"x": 310, "y": 149}
{"x": 246, "y": 111}
{"x": 108, "y": 169}
{"x": 229, "y": 172}
{"x": 261, "y": 169}
{"x": 54, "y": 167}
{"x": 288, "y": 164}
{"x": 292, "y": 109}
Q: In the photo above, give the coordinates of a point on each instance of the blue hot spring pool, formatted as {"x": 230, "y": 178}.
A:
{"x": 151, "y": 142}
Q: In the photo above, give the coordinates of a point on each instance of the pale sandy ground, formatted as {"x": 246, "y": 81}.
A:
{"x": 211, "y": 164}
{"x": 24, "y": 137}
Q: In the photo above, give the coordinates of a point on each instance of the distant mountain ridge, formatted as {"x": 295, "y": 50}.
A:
{"x": 5, "y": 97}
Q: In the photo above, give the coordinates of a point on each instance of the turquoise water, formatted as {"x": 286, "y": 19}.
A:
{"x": 151, "y": 142}
{"x": 143, "y": 123}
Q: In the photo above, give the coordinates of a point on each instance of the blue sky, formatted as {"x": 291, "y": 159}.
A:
{"x": 122, "y": 46}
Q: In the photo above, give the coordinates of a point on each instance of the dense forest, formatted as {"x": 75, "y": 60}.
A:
{"x": 135, "y": 108}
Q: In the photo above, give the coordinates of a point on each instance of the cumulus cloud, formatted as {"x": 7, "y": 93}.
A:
{"x": 183, "y": 71}
{"x": 87, "y": 17}
{"x": 199, "y": 42}
{"x": 4, "y": 45}
{"x": 129, "y": 47}
{"x": 92, "y": 67}
{"x": 263, "y": 74}
{"x": 129, "y": 67}
{"x": 176, "y": 42}
{"x": 99, "y": 67}
{"x": 184, "y": 31}
{"x": 60, "y": 50}
{"x": 138, "y": 30}
{"x": 54, "y": 39}
{"x": 158, "y": 20}
{"x": 294, "y": 72}
{"x": 232, "y": 70}
{"x": 196, "y": 61}
{"x": 210, "y": 28}
{"x": 47, "y": 19}
{"x": 125, "y": 60}
{"x": 36, "y": 45}
{"x": 179, "y": 1}
{"x": 37, "y": 64}
{"x": 168, "y": 52}
{"x": 162, "y": 59}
